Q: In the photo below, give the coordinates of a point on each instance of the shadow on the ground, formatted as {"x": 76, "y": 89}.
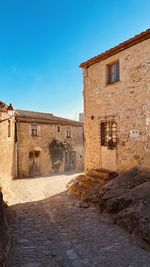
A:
{"x": 66, "y": 173}
{"x": 44, "y": 231}
{"x": 56, "y": 232}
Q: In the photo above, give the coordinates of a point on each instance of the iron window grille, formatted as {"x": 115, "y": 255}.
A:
{"x": 108, "y": 134}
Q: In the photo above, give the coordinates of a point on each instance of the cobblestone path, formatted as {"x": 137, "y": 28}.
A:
{"x": 56, "y": 231}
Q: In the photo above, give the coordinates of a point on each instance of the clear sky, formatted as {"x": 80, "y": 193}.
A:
{"x": 42, "y": 43}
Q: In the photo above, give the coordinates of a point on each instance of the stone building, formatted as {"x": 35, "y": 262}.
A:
{"x": 117, "y": 106}
{"x": 81, "y": 117}
{"x": 7, "y": 144}
{"x": 47, "y": 144}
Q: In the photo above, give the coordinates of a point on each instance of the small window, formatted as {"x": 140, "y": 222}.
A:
{"x": 109, "y": 133}
{"x": 9, "y": 128}
{"x": 34, "y": 130}
{"x": 34, "y": 153}
{"x": 68, "y": 134}
{"x": 58, "y": 129}
{"x": 37, "y": 153}
{"x": 113, "y": 73}
{"x": 30, "y": 154}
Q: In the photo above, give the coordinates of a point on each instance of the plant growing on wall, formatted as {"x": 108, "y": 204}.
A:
{"x": 56, "y": 151}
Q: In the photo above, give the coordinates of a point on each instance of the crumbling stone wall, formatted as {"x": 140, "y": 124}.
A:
{"x": 127, "y": 101}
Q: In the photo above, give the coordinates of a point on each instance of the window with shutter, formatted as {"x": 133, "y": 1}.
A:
{"x": 113, "y": 73}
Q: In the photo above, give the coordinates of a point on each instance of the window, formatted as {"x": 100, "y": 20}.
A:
{"x": 9, "y": 128}
{"x": 37, "y": 153}
{"x": 68, "y": 134}
{"x": 34, "y": 154}
{"x": 58, "y": 129}
{"x": 109, "y": 133}
{"x": 113, "y": 73}
{"x": 33, "y": 130}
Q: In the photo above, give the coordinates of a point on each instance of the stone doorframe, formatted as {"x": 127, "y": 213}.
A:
{"x": 34, "y": 163}
{"x": 70, "y": 160}
{"x": 109, "y": 127}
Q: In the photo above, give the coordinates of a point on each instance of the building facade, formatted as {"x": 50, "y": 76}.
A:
{"x": 81, "y": 117}
{"x": 47, "y": 144}
{"x": 7, "y": 145}
{"x": 117, "y": 106}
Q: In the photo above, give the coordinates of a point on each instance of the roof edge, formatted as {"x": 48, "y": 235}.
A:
{"x": 122, "y": 46}
{"x": 3, "y": 106}
{"x": 41, "y": 116}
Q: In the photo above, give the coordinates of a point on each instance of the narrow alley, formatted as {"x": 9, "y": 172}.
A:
{"x": 51, "y": 229}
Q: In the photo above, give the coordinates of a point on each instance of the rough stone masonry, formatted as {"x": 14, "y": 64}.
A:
{"x": 125, "y": 103}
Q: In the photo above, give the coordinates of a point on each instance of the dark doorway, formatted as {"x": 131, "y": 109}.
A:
{"x": 70, "y": 160}
{"x": 34, "y": 163}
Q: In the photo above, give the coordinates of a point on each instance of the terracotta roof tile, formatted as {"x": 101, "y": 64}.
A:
{"x": 26, "y": 115}
{"x": 132, "y": 41}
{"x": 33, "y": 114}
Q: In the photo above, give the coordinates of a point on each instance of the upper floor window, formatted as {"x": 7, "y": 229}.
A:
{"x": 58, "y": 129}
{"x": 68, "y": 134}
{"x": 113, "y": 73}
{"x": 34, "y": 130}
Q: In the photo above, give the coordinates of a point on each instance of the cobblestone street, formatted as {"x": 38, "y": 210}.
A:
{"x": 52, "y": 229}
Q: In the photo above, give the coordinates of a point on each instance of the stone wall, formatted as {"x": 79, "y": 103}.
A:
{"x": 126, "y": 101}
{"x": 7, "y": 149}
{"x": 5, "y": 236}
{"x": 46, "y": 133}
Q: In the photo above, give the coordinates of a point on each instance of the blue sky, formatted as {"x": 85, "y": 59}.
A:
{"x": 42, "y": 43}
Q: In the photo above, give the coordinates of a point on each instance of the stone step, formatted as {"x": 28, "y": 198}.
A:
{"x": 79, "y": 190}
{"x": 102, "y": 173}
{"x": 87, "y": 183}
{"x": 112, "y": 174}
{"x": 97, "y": 174}
{"x": 97, "y": 180}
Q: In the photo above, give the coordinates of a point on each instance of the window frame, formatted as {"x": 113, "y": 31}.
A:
{"x": 34, "y": 130}
{"x": 109, "y": 72}
{"x": 68, "y": 135}
{"x": 108, "y": 132}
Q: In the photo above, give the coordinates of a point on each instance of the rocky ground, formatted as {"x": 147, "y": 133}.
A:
{"x": 126, "y": 201}
{"x": 51, "y": 229}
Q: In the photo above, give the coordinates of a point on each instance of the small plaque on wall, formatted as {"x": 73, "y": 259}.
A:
{"x": 134, "y": 134}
